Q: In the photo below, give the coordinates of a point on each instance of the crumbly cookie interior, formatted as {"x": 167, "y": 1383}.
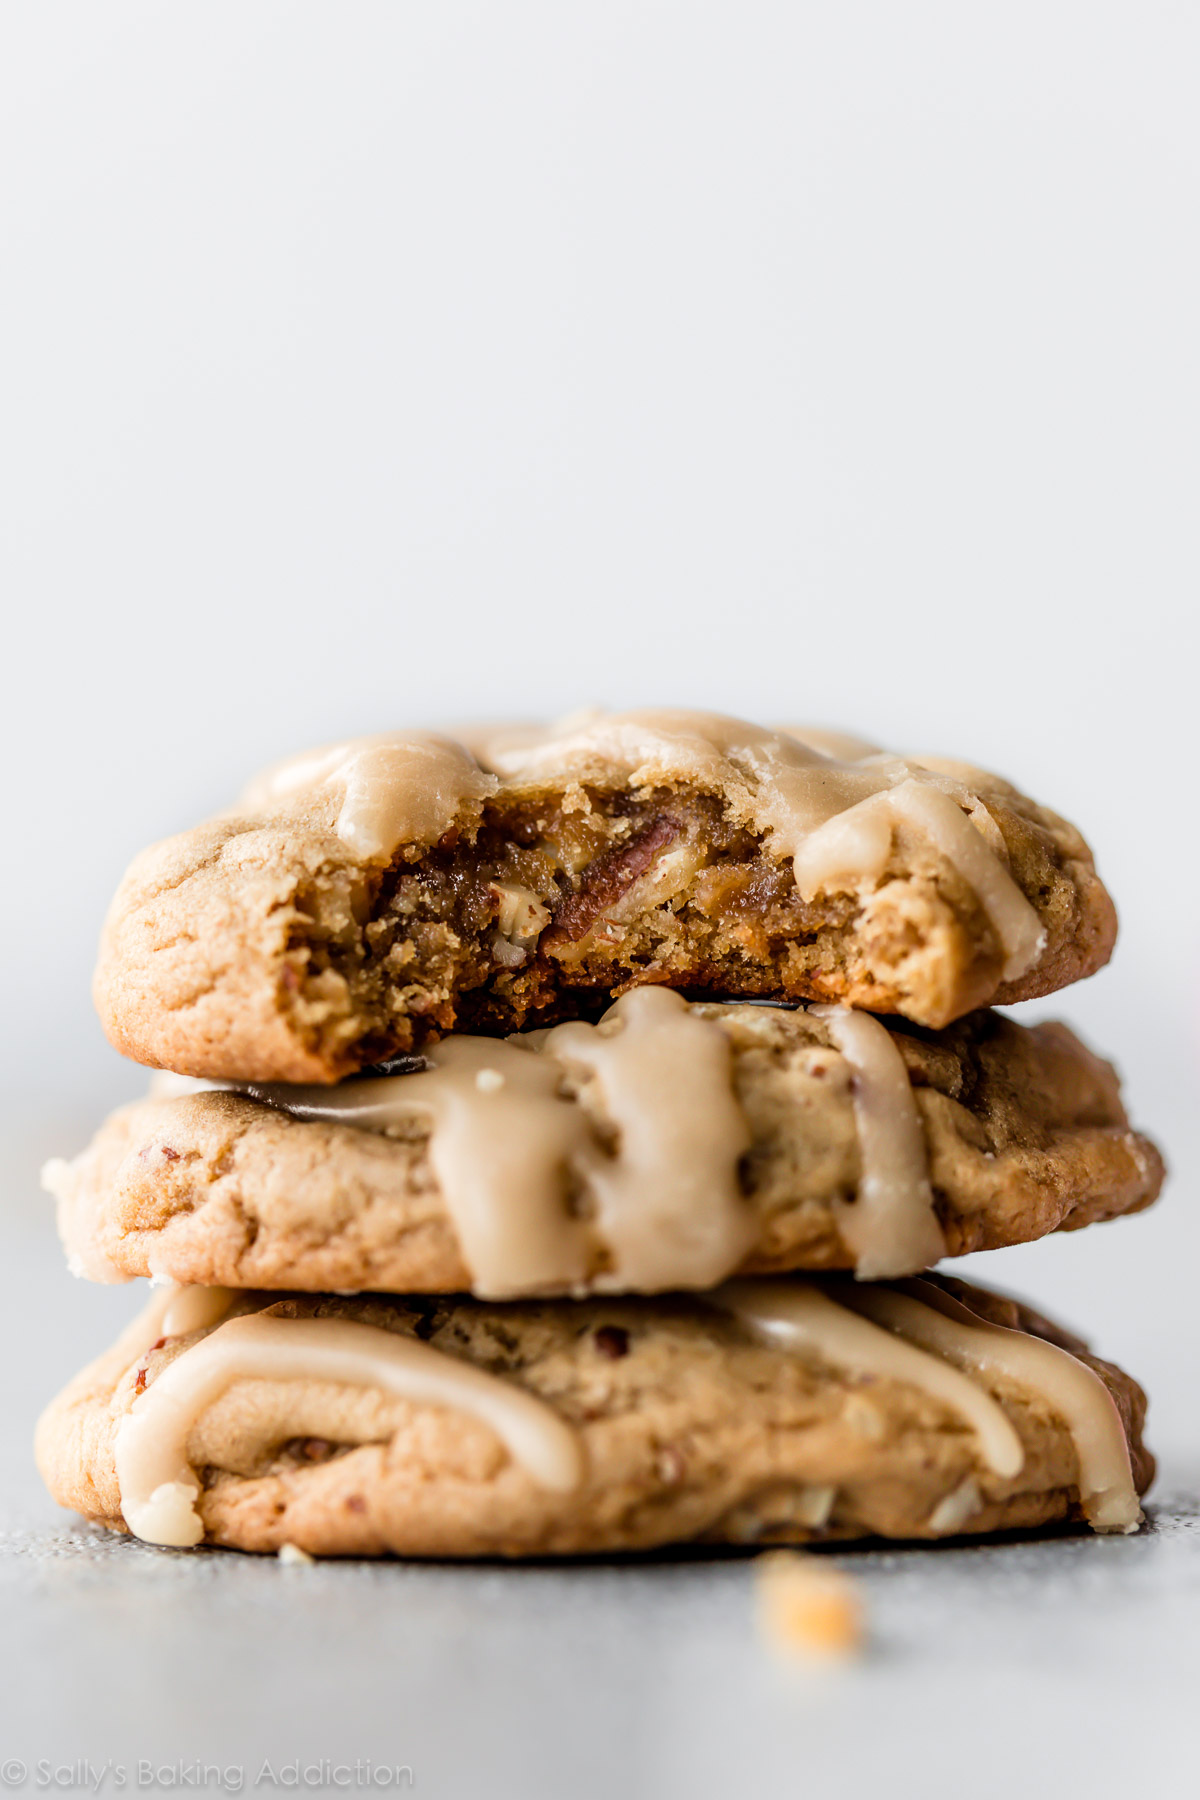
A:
{"x": 555, "y": 904}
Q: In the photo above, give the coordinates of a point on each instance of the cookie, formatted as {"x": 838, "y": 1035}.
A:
{"x": 365, "y": 900}
{"x": 770, "y": 1412}
{"x": 665, "y": 1147}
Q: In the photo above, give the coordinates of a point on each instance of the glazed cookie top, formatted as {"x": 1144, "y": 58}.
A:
{"x": 667, "y": 1146}
{"x": 922, "y": 1408}
{"x": 827, "y": 803}
{"x": 371, "y": 896}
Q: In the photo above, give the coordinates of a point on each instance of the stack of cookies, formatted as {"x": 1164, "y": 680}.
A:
{"x": 554, "y": 1133}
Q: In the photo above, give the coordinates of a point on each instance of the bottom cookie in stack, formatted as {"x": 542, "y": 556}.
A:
{"x": 767, "y": 1412}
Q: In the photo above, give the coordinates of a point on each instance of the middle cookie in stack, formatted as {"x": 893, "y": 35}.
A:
{"x": 670, "y": 1146}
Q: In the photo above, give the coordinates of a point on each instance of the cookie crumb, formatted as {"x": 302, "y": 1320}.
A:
{"x": 293, "y": 1555}
{"x": 807, "y": 1606}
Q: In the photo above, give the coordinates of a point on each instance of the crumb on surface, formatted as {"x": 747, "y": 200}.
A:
{"x": 808, "y": 1606}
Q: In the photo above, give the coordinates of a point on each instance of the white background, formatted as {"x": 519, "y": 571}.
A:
{"x": 384, "y": 363}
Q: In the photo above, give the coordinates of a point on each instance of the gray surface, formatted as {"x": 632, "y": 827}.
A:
{"x": 1050, "y": 1667}
{"x": 1055, "y": 1667}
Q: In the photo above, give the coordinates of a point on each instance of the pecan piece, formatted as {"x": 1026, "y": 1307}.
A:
{"x": 611, "y": 876}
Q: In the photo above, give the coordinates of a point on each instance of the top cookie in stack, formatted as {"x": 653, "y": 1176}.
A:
{"x": 626, "y": 1007}
{"x": 369, "y": 898}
